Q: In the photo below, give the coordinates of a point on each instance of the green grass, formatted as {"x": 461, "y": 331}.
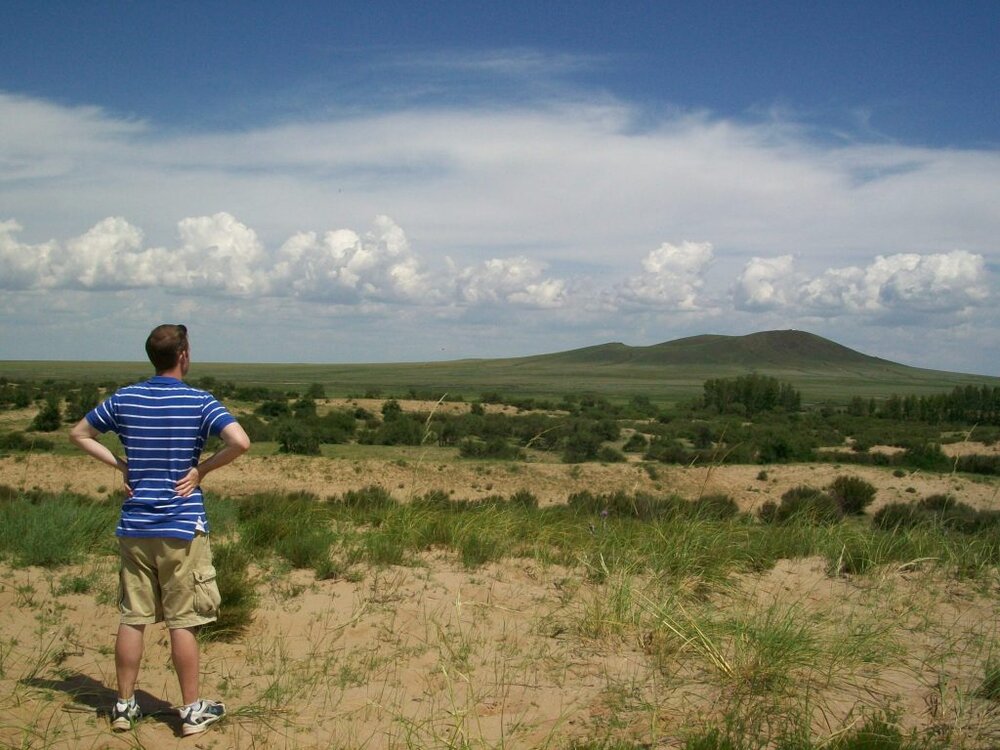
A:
{"x": 666, "y": 373}
{"x": 51, "y": 530}
{"x": 604, "y": 534}
{"x": 654, "y": 574}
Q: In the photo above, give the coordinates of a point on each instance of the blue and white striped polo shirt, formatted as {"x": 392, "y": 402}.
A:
{"x": 163, "y": 424}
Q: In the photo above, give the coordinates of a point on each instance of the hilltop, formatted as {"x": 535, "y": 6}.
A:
{"x": 755, "y": 351}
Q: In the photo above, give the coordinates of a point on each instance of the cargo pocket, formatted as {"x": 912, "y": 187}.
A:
{"x": 206, "y": 592}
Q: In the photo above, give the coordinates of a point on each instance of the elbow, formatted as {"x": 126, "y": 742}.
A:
{"x": 76, "y": 436}
{"x": 236, "y": 438}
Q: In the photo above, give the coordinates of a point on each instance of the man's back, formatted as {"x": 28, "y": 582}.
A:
{"x": 163, "y": 425}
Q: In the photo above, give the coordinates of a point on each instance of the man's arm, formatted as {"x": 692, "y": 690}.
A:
{"x": 235, "y": 444}
{"x": 84, "y": 435}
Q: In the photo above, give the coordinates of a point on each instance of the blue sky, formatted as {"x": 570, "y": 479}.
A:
{"x": 361, "y": 182}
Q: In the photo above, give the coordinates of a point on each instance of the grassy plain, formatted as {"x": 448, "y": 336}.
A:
{"x": 404, "y": 597}
{"x": 821, "y": 369}
{"x": 529, "y": 377}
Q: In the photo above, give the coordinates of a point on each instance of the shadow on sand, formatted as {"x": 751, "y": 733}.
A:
{"x": 88, "y": 693}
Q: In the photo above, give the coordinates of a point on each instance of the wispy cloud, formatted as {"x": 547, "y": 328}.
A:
{"x": 745, "y": 223}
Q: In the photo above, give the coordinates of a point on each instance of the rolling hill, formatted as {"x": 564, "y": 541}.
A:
{"x": 821, "y": 369}
{"x": 756, "y": 351}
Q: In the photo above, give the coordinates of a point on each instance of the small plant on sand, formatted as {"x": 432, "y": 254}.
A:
{"x": 990, "y": 689}
{"x": 239, "y": 594}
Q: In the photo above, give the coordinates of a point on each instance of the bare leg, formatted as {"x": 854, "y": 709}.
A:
{"x": 128, "y": 656}
{"x": 184, "y": 651}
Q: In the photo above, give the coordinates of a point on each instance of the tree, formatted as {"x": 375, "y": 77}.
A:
{"x": 751, "y": 394}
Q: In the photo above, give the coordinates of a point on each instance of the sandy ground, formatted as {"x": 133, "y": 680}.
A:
{"x": 438, "y": 469}
{"x": 512, "y": 655}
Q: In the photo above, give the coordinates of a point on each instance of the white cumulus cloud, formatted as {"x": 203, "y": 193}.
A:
{"x": 22, "y": 265}
{"x": 518, "y": 280}
{"x": 766, "y": 284}
{"x": 674, "y": 275}
{"x": 901, "y": 283}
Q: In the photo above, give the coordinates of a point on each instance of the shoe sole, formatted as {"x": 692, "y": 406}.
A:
{"x": 189, "y": 729}
{"x": 122, "y": 725}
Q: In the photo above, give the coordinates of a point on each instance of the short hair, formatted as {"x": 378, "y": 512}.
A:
{"x": 165, "y": 344}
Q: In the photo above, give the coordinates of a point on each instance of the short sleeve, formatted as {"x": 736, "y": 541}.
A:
{"x": 103, "y": 417}
{"x": 216, "y": 416}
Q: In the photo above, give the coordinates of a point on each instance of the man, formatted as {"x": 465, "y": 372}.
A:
{"x": 166, "y": 561}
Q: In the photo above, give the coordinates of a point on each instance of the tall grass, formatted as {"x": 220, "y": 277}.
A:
{"x": 605, "y": 534}
{"x": 50, "y": 529}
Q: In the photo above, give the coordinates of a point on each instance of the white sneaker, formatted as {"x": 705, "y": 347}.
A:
{"x": 122, "y": 720}
{"x": 199, "y": 716}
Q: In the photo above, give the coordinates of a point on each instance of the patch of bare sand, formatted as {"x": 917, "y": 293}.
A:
{"x": 436, "y": 655}
{"x": 971, "y": 448}
{"x": 550, "y": 482}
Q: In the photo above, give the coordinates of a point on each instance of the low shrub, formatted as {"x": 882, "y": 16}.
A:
{"x": 898, "y": 516}
{"x": 637, "y": 443}
{"x": 803, "y": 503}
{"x": 717, "y": 507}
{"x": 853, "y": 494}
{"x": 939, "y": 510}
{"x": 976, "y": 464}
{"x": 610, "y": 455}
{"x": 372, "y": 498}
{"x": 295, "y": 436}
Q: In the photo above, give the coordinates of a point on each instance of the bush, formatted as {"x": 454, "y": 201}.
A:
{"x": 641, "y": 506}
{"x": 937, "y": 510}
{"x": 49, "y": 419}
{"x": 926, "y": 456}
{"x": 582, "y": 443}
{"x": 718, "y": 507}
{"x": 637, "y": 443}
{"x": 372, "y": 498}
{"x": 669, "y": 451}
{"x": 274, "y": 408}
{"x": 396, "y": 429}
{"x": 256, "y": 428}
{"x": 803, "y": 503}
{"x": 976, "y": 464}
{"x": 897, "y": 516}
{"x": 297, "y": 437}
{"x": 853, "y": 494}
{"x": 610, "y": 455}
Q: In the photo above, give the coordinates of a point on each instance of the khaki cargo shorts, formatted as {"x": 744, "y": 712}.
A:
{"x": 167, "y": 580}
